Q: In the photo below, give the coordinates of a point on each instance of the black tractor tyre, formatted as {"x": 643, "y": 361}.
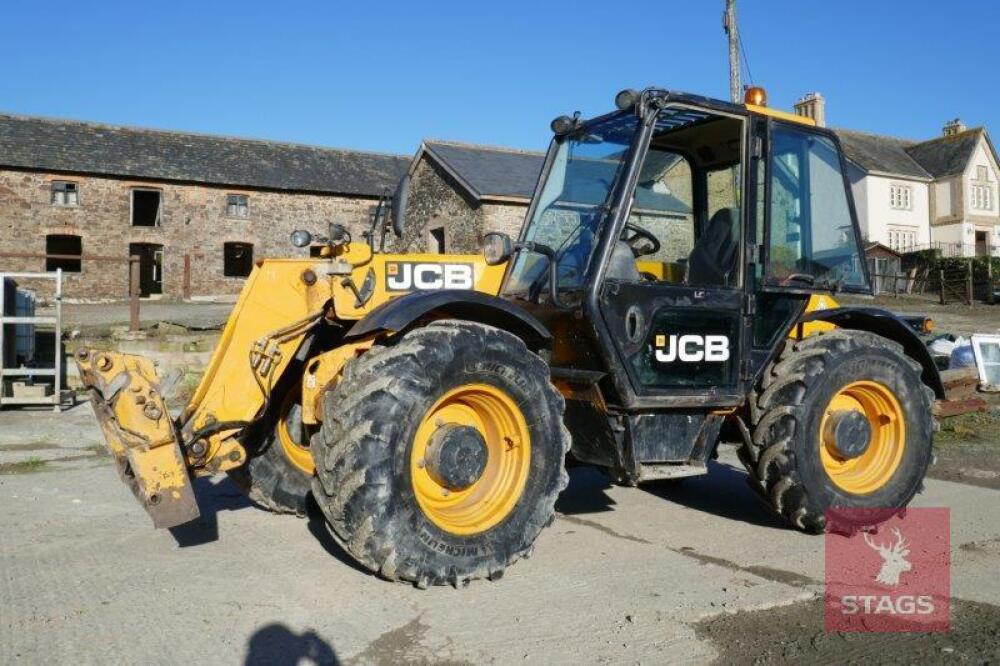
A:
{"x": 268, "y": 478}
{"x": 786, "y": 409}
{"x": 364, "y": 484}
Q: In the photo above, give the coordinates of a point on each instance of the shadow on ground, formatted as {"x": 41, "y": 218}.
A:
{"x": 723, "y": 492}
{"x": 276, "y": 645}
{"x": 320, "y": 529}
{"x": 213, "y": 495}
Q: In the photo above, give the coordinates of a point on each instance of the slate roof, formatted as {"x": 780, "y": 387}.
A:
{"x": 947, "y": 155}
{"x": 505, "y": 173}
{"x": 882, "y": 154}
{"x": 938, "y": 158}
{"x": 488, "y": 171}
{"x": 81, "y": 147}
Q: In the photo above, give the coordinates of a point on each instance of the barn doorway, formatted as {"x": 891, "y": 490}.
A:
{"x": 150, "y": 267}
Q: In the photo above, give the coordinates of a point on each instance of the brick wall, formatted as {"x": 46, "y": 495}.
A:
{"x": 193, "y": 222}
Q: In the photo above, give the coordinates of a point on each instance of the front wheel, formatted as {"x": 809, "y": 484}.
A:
{"x": 279, "y": 470}
{"x": 441, "y": 456}
{"x": 841, "y": 420}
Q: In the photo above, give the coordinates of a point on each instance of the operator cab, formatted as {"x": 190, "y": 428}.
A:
{"x": 679, "y": 238}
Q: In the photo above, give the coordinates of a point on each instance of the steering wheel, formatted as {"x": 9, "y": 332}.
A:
{"x": 637, "y": 236}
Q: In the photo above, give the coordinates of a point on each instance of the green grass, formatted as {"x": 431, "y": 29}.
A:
{"x": 23, "y": 467}
{"x": 99, "y": 450}
{"x": 972, "y": 428}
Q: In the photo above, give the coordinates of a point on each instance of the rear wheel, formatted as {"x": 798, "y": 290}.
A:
{"x": 440, "y": 457}
{"x": 279, "y": 470}
{"x": 841, "y": 420}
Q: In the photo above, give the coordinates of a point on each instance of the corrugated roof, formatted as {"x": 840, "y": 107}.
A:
{"x": 82, "y": 147}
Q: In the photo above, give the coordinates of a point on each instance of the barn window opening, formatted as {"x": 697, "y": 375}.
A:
{"x": 65, "y": 193}
{"x": 237, "y": 259}
{"x": 68, "y": 246}
{"x": 238, "y": 205}
{"x": 437, "y": 240}
{"x": 145, "y": 208}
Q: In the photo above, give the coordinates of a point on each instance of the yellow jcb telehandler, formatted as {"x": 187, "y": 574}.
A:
{"x": 671, "y": 287}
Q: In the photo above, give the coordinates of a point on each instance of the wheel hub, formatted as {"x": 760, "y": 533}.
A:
{"x": 847, "y": 432}
{"x": 456, "y": 456}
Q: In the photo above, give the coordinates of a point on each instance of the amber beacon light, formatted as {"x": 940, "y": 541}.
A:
{"x": 755, "y": 95}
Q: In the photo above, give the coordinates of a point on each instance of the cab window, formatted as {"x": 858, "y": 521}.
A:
{"x": 663, "y": 208}
{"x": 684, "y": 222}
{"x": 812, "y": 238}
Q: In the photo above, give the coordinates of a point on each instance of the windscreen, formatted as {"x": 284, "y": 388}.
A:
{"x": 573, "y": 203}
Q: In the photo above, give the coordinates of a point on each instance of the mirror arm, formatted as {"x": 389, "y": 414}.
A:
{"x": 550, "y": 256}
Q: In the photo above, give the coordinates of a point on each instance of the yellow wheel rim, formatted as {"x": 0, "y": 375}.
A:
{"x": 490, "y": 499}
{"x": 871, "y": 470}
{"x": 293, "y": 435}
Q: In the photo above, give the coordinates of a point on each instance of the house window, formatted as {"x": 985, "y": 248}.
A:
{"x": 237, "y": 259}
{"x": 903, "y": 240}
{"x": 64, "y": 193}
{"x": 982, "y": 197}
{"x": 982, "y": 174}
{"x": 63, "y": 244}
{"x": 145, "y": 208}
{"x": 238, "y": 205}
{"x": 900, "y": 197}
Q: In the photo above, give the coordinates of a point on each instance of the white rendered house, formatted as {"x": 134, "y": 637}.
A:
{"x": 914, "y": 195}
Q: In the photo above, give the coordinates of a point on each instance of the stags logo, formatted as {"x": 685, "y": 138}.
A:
{"x": 896, "y": 579}
{"x": 894, "y": 561}
{"x": 691, "y": 348}
{"x": 410, "y": 276}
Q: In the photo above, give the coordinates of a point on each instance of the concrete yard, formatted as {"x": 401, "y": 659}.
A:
{"x": 623, "y": 576}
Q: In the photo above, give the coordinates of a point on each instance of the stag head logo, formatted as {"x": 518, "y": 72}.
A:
{"x": 894, "y": 562}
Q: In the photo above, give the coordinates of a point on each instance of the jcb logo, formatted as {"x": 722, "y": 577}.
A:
{"x": 407, "y": 276}
{"x": 691, "y": 348}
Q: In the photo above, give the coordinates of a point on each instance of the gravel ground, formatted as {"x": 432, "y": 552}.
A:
{"x": 689, "y": 572}
{"x": 95, "y": 317}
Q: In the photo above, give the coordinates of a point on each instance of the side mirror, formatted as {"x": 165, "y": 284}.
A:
{"x": 398, "y": 211}
{"x": 301, "y": 238}
{"x": 339, "y": 234}
{"x": 497, "y": 248}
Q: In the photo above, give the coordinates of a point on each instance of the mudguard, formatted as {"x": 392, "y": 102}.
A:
{"x": 399, "y": 314}
{"x": 888, "y": 325}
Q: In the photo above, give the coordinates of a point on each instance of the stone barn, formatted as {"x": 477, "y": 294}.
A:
{"x": 197, "y": 209}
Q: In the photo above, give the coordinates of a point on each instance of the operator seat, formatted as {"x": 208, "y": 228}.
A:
{"x": 713, "y": 258}
{"x": 622, "y": 264}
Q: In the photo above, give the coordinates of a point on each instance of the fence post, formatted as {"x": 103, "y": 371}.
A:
{"x": 133, "y": 293}
{"x": 186, "y": 289}
{"x": 989, "y": 274}
{"x": 941, "y": 284}
{"x": 968, "y": 284}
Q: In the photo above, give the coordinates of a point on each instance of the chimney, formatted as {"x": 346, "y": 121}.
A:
{"x": 953, "y": 127}
{"x": 812, "y": 105}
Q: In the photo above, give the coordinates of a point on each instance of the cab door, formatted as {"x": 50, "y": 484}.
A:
{"x": 672, "y": 296}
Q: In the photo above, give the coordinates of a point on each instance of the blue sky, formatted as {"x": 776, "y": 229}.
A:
{"x": 383, "y": 75}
